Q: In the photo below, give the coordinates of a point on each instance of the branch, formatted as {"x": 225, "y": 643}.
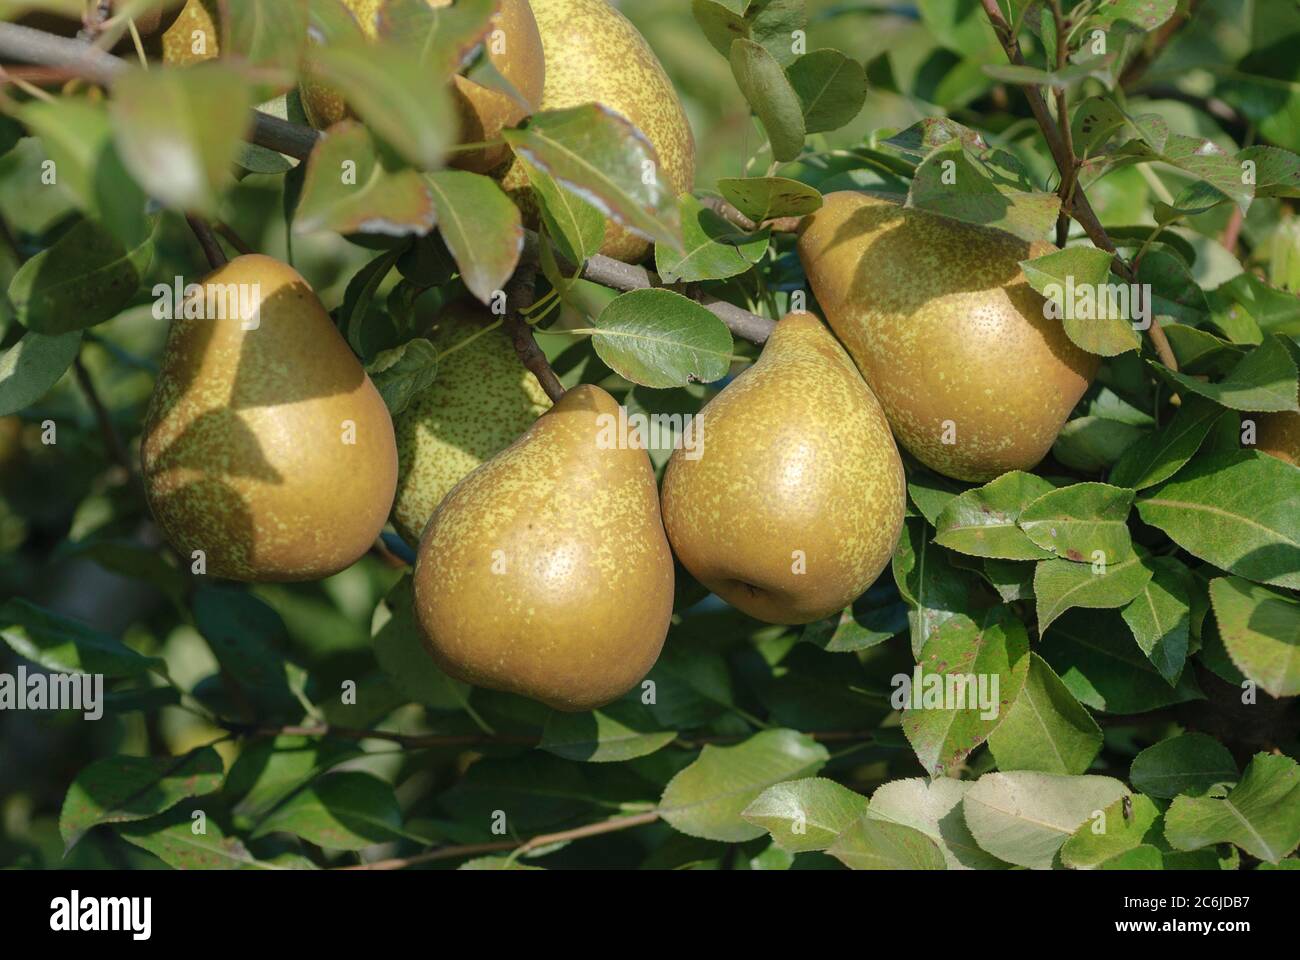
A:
{"x": 1138, "y": 66}
{"x": 519, "y": 294}
{"x": 208, "y": 241}
{"x": 113, "y": 445}
{"x": 729, "y": 213}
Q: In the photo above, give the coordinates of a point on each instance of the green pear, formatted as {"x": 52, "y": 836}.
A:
{"x": 546, "y": 571}
{"x": 595, "y": 55}
{"x": 793, "y": 500}
{"x": 976, "y": 380}
{"x": 266, "y": 446}
{"x": 482, "y": 400}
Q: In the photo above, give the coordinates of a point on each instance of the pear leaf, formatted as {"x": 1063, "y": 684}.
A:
{"x": 1260, "y": 628}
{"x": 807, "y": 814}
{"x": 32, "y": 366}
{"x": 482, "y": 229}
{"x": 1261, "y": 814}
{"x": 766, "y": 198}
{"x": 883, "y": 845}
{"x": 659, "y": 338}
{"x": 771, "y": 97}
{"x": 1188, "y": 763}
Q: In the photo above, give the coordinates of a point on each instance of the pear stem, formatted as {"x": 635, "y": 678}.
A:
{"x": 518, "y": 296}
{"x": 208, "y": 241}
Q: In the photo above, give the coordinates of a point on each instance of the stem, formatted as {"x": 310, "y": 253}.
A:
{"x": 530, "y": 354}
{"x": 1138, "y": 66}
{"x": 113, "y": 445}
{"x": 729, "y": 212}
{"x": 1066, "y": 189}
{"x": 208, "y": 241}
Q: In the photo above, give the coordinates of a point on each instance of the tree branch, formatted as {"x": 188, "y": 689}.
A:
{"x": 208, "y": 241}
{"x": 113, "y": 445}
{"x": 519, "y": 294}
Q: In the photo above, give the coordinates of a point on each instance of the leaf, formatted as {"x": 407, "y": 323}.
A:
{"x": 340, "y": 811}
{"x": 831, "y": 87}
{"x": 935, "y": 808}
{"x": 1264, "y": 380}
{"x": 1084, "y": 522}
{"x": 1235, "y": 510}
{"x": 267, "y": 34}
{"x": 945, "y": 720}
{"x": 1165, "y": 452}
{"x": 481, "y": 226}
{"x": 597, "y": 154}
{"x": 1188, "y": 763}
{"x": 1091, "y": 444}
{"x": 1147, "y": 14}
{"x": 348, "y": 189}
{"x": 770, "y": 95}
{"x": 983, "y": 522}
{"x": 659, "y": 338}
{"x": 63, "y": 645}
{"x": 859, "y": 627}
{"x": 244, "y": 634}
{"x": 267, "y": 771}
{"x": 178, "y": 131}
{"x": 925, "y": 136}
{"x": 403, "y": 373}
{"x": 576, "y": 226}
{"x": 1046, "y": 728}
{"x": 400, "y": 651}
{"x": 173, "y": 841}
{"x": 1024, "y": 817}
{"x": 712, "y": 248}
{"x": 624, "y": 730}
{"x": 85, "y": 278}
{"x": 1160, "y": 616}
{"x": 931, "y": 492}
{"x": 766, "y": 198}
{"x": 706, "y": 798}
{"x": 32, "y": 366}
{"x": 1261, "y": 814}
{"x": 771, "y": 23}
{"x": 882, "y": 845}
{"x": 1060, "y": 585}
{"x": 1115, "y": 833}
{"x": 1261, "y": 631}
{"x": 118, "y": 789}
{"x": 1074, "y": 280}
{"x": 807, "y": 814}
{"x": 935, "y": 590}
{"x": 1277, "y": 171}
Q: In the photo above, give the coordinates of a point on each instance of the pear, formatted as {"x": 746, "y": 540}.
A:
{"x": 482, "y": 400}
{"x": 1278, "y": 435}
{"x": 266, "y": 446}
{"x": 594, "y": 54}
{"x": 194, "y": 36}
{"x": 514, "y": 49}
{"x": 546, "y": 571}
{"x": 939, "y": 318}
{"x": 793, "y": 502}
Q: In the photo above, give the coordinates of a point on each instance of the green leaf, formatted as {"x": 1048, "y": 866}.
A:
{"x": 931, "y": 492}
{"x": 1277, "y": 171}
{"x": 1091, "y": 444}
{"x": 340, "y": 811}
{"x": 1261, "y": 814}
{"x": 178, "y": 131}
{"x": 1084, "y": 522}
{"x": 349, "y": 189}
{"x": 983, "y": 522}
{"x": 1119, "y": 830}
{"x": 32, "y": 366}
{"x": 403, "y": 373}
{"x": 659, "y": 338}
{"x": 406, "y": 663}
{"x": 1046, "y": 728}
{"x": 1235, "y": 510}
{"x": 173, "y": 840}
{"x": 1073, "y": 280}
{"x": 1060, "y": 585}
{"x": 935, "y": 808}
{"x": 1160, "y": 616}
{"x": 85, "y": 278}
{"x": 1024, "y": 817}
{"x": 624, "y": 730}
{"x": 576, "y": 226}
{"x": 1265, "y": 380}
{"x": 67, "y": 646}
{"x": 771, "y": 23}
{"x": 267, "y": 771}
{"x": 707, "y": 798}
{"x": 713, "y": 248}
{"x": 766, "y": 198}
{"x": 597, "y": 154}
{"x": 831, "y": 87}
{"x": 882, "y": 845}
{"x": 807, "y": 814}
{"x": 1261, "y": 631}
{"x": 771, "y": 97}
{"x": 482, "y": 228}
{"x": 1188, "y": 763}
{"x": 1147, "y": 14}
{"x": 245, "y": 635}
{"x": 118, "y": 789}
{"x": 1165, "y": 452}
{"x": 935, "y": 589}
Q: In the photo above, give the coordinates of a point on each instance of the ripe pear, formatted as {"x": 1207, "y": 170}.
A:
{"x": 266, "y": 446}
{"x": 482, "y": 400}
{"x": 594, "y": 54}
{"x": 794, "y": 502}
{"x": 195, "y": 36}
{"x": 1278, "y": 435}
{"x": 546, "y": 571}
{"x": 939, "y": 318}
{"x": 514, "y": 48}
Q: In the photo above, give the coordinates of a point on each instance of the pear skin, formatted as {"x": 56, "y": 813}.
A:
{"x": 546, "y": 571}
{"x": 796, "y": 503}
{"x": 194, "y": 36}
{"x": 938, "y": 316}
{"x": 1278, "y": 435}
{"x": 482, "y": 400}
{"x": 595, "y": 54}
{"x": 266, "y": 446}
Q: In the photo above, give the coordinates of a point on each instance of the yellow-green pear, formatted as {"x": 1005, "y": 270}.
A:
{"x": 595, "y": 54}
{"x": 1278, "y": 435}
{"x": 482, "y": 400}
{"x": 266, "y": 447}
{"x": 975, "y": 379}
{"x": 546, "y": 571}
{"x": 790, "y": 500}
{"x": 195, "y": 36}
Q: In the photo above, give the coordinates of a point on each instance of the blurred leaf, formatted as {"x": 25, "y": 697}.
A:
{"x": 659, "y": 338}
{"x": 882, "y": 845}
{"x": 807, "y": 814}
{"x": 1046, "y": 728}
{"x": 1188, "y": 763}
{"x": 1147, "y": 14}
{"x": 340, "y": 811}
{"x": 482, "y": 228}
{"x": 713, "y": 248}
{"x": 32, "y": 366}
{"x": 1261, "y": 630}
{"x": 1261, "y": 814}
{"x": 766, "y": 198}
{"x": 68, "y": 646}
{"x": 444, "y": 36}
{"x": 771, "y": 97}
{"x": 831, "y": 87}
{"x": 270, "y": 35}
{"x": 1084, "y": 522}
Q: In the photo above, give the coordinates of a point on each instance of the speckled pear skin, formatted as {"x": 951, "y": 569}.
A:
{"x": 178, "y": 41}
{"x": 515, "y": 49}
{"x": 244, "y": 449}
{"x": 1278, "y": 434}
{"x": 482, "y": 400}
{"x": 797, "y": 457}
{"x": 546, "y": 571}
{"x": 595, "y": 54}
{"x": 943, "y": 325}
